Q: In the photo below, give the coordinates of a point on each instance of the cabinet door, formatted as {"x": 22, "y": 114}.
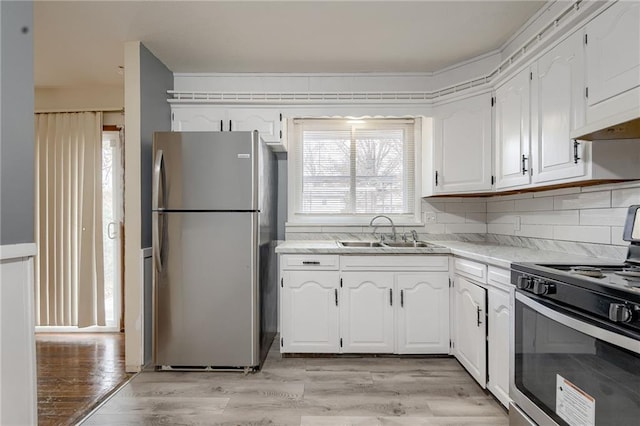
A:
{"x": 198, "y": 119}
{"x": 512, "y": 111}
{"x": 462, "y": 145}
{"x": 265, "y": 121}
{"x": 422, "y": 313}
{"x": 309, "y": 312}
{"x": 558, "y": 107}
{"x": 366, "y": 312}
{"x": 498, "y": 341}
{"x": 470, "y": 325}
{"x": 613, "y": 52}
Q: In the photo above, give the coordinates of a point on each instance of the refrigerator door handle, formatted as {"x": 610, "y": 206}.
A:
{"x": 157, "y": 176}
{"x": 157, "y": 247}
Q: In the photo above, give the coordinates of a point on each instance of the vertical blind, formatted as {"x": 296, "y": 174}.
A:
{"x": 352, "y": 167}
{"x": 69, "y": 268}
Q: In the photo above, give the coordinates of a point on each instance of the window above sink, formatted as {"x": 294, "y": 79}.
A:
{"x": 343, "y": 171}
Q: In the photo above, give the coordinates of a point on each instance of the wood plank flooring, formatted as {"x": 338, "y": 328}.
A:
{"x": 308, "y": 392}
{"x": 75, "y": 372}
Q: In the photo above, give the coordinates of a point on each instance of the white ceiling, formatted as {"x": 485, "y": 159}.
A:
{"x": 80, "y": 43}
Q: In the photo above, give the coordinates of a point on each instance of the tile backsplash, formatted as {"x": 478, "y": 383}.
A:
{"x": 592, "y": 214}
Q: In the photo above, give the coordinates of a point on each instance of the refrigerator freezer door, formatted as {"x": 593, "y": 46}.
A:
{"x": 206, "y": 307}
{"x": 205, "y": 170}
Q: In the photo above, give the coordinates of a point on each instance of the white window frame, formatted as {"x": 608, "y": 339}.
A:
{"x": 294, "y": 190}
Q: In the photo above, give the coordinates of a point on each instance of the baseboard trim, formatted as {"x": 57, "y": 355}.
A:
{"x": 16, "y": 251}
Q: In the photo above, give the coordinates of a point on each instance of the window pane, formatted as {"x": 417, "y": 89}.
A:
{"x": 379, "y": 171}
{"x": 355, "y": 168}
{"x": 326, "y": 176}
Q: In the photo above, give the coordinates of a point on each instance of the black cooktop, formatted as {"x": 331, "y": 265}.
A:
{"x": 619, "y": 280}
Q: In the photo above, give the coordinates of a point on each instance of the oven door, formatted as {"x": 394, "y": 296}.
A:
{"x": 569, "y": 369}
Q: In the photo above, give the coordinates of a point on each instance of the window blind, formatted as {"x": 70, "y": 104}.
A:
{"x": 355, "y": 167}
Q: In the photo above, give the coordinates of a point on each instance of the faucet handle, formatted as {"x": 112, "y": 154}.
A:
{"x": 414, "y": 235}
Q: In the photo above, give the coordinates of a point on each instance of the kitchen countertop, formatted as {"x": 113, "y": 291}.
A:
{"x": 490, "y": 253}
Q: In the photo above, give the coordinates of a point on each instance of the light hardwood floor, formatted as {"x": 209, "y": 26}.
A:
{"x": 309, "y": 392}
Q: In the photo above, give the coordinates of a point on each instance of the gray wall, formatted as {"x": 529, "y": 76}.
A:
{"x": 155, "y": 115}
{"x": 16, "y": 123}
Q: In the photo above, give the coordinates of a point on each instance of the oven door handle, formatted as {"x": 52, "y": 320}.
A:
{"x": 581, "y": 326}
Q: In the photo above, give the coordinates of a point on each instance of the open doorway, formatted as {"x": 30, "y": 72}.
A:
{"x": 79, "y": 339}
{"x": 113, "y": 226}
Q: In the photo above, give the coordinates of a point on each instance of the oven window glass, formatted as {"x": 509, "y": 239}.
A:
{"x": 545, "y": 348}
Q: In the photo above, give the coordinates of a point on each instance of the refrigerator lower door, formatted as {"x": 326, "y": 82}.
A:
{"x": 206, "y": 310}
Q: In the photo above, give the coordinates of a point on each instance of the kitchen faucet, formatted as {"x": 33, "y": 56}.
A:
{"x": 393, "y": 227}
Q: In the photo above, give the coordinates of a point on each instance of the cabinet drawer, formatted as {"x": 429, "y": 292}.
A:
{"x": 500, "y": 278}
{"x": 309, "y": 261}
{"x": 470, "y": 269}
{"x": 394, "y": 262}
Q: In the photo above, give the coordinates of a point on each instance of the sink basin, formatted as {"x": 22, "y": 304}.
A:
{"x": 410, "y": 244}
{"x": 360, "y": 244}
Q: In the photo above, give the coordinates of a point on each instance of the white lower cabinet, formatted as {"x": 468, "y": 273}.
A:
{"x": 309, "y": 311}
{"x": 481, "y": 324}
{"x": 370, "y": 304}
{"x": 366, "y": 312}
{"x": 422, "y": 313}
{"x": 498, "y": 333}
{"x": 470, "y": 328}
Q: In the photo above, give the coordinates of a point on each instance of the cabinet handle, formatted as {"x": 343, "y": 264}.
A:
{"x": 576, "y": 144}
{"x": 390, "y": 297}
{"x": 310, "y": 262}
{"x": 478, "y": 311}
{"x": 229, "y": 125}
{"x": 335, "y": 290}
{"x": 436, "y": 178}
{"x": 524, "y": 168}
{"x": 402, "y": 298}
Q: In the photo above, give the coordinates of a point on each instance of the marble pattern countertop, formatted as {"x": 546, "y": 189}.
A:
{"x": 490, "y": 253}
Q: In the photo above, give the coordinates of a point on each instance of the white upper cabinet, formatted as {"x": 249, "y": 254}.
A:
{"x": 197, "y": 118}
{"x": 265, "y": 121}
{"x": 462, "y": 145}
{"x": 612, "y": 45}
{"x": 512, "y": 124}
{"x": 558, "y": 108}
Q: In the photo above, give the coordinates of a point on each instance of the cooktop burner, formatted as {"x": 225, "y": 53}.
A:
{"x": 623, "y": 276}
{"x": 631, "y": 273}
{"x": 588, "y": 271}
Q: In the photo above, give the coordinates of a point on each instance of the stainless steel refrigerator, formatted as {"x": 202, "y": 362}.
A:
{"x": 214, "y": 224}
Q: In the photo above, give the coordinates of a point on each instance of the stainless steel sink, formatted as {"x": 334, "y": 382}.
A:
{"x": 408, "y": 244}
{"x": 360, "y": 244}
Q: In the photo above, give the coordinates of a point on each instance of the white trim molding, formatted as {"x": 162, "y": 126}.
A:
{"x": 547, "y": 32}
{"x": 16, "y": 251}
{"x": 18, "y": 391}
